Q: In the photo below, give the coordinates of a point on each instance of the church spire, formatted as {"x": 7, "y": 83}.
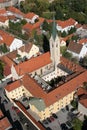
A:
{"x": 55, "y": 46}
{"x": 54, "y": 30}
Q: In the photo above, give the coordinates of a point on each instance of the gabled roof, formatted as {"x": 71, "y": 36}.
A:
{"x": 30, "y": 27}
{"x": 83, "y": 41}
{"x": 4, "y": 123}
{"x": 30, "y": 15}
{"x": 13, "y": 86}
{"x": 3, "y": 18}
{"x": 6, "y": 37}
{"x": 33, "y": 64}
{"x": 2, "y": 11}
{"x": 66, "y": 23}
{"x": 7, "y": 65}
{"x": 26, "y": 48}
{"x": 82, "y": 93}
{"x": 15, "y": 10}
{"x": 66, "y": 38}
{"x": 74, "y": 47}
{"x": 53, "y": 96}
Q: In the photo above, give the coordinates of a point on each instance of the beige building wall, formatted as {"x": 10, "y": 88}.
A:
{"x": 55, "y": 107}
{"x": 34, "y": 50}
{"x": 5, "y": 24}
{"x": 22, "y": 91}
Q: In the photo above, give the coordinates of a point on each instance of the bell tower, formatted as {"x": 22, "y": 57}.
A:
{"x": 54, "y": 46}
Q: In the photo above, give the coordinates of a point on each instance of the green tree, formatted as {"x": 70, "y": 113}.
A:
{"x": 67, "y": 55}
{"x": 1, "y": 69}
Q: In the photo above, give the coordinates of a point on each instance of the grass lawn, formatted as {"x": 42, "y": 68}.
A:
{"x": 77, "y": 124}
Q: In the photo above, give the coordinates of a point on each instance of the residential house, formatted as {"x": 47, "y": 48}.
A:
{"x": 14, "y": 11}
{"x": 82, "y": 98}
{"x": 29, "y": 28}
{"x": 28, "y": 50}
{"x": 66, "y": 25}
{"x": 31, "y": 17}
{"x": 82, "y": 41}
{"x": 78, "y": 50}
{"x": 10, "y": 41}
{"x": 65, "y": 39}
{"x": 5, "y": 124}
{"x": 4, "y": 21}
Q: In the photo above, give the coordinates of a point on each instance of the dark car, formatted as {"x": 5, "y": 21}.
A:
{"x": 63, "y": 126}
{"x": 54, "y": 115}
{"x": 48, "y": 119}
{"x": 48, "y": 128}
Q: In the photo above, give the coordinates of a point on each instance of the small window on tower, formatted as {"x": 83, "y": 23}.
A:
{"x": 52, "y": 45}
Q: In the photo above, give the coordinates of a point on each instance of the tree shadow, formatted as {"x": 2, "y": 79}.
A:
{"x": 45, "y": 44}
{"x": 84, "y": 126}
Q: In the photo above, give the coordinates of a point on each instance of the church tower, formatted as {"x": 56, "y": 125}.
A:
{"x": 54, "y": 46}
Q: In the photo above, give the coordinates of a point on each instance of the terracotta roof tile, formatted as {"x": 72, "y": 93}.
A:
{"x": 3, "y": 18}
{"x": 4, "y": 124}
{"x": 1, "y": 114}
{"x": 33, "y": 64}
{"x": 30, "y": 15}
{"x": 66, "y": 23}
{"x": 13, "y": 86}
{"x": 2, "y": 11}
{"x": 82, "y": 94}
{"x": 30, "y": 27}
{"x": 83, "y": 41}
{"x": 7, "y": 61}
{"x": 26, "y": 47}
{"x": 31, "y": 118}
{"x": 15, "y": 10}
{"x": 12, "y": 55}
{"x": 66, "y": 38}
{"x": 74, "y": 47}
{"x": 6, "y": 37}
{"x": 54, "y": 95}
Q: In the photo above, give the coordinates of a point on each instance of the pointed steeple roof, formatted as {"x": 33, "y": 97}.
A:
{"x": 54, "y": 30}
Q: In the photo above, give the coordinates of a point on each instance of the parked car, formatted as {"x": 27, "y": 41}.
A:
{"x": 45, "y": 122}
{"x": 63, "y": 126}
{"x": 68, "y": 124}
{"x": 51, "y": 118}
{"x": 48, "y": 128}
{"x": 54, "y": 115}
{"x": 63, "y": 110}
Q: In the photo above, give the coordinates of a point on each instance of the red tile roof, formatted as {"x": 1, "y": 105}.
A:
{"x": 13, "y": 86}
{"x": 4, "y": 124}
{"x": 2, "y": 11}
{"x": 66, "y": 23}
{"x": 74, "y": 47}
{"x": 1, "y": 114}
{"x": 15, "y": 10}
{"x": 7, "y": 60}
{"x": 30, "y": 27}
{"x": 29, "y": 116}
{"x": 67, "y": 37}
{"x": 26, "y": 48}
{"x": 33, "y": 64}
{"x": 30, "y": 15}
{"x": 49, "y": 98}
{"x": 3, "y": 18}
{"x": 82, "y": 41}
{"x": 6, "y": 37}
{"x": 82, "y": 93}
